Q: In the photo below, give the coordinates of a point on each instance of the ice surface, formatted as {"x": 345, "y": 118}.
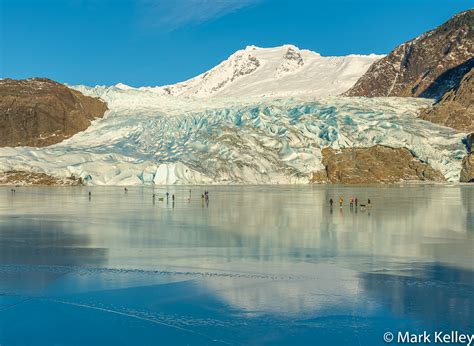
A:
{"x": 145, "y": 138}
{"x": 259, "y": 265}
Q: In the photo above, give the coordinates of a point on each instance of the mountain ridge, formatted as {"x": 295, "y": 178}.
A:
{"x": 410, "y": 68}
{"x": 276, "y": 71}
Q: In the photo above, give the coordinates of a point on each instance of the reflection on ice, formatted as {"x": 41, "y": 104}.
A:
{"x": 259, "y": 263}
{"x": 440, "y": 291}
{"x": 311, "y": 290}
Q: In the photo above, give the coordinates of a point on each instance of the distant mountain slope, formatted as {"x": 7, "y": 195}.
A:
{"x": 39, "y": 112}
{"x": 456, "y": 108}
{"x": 413, "y": 67}
{"x": 279, "y": 71}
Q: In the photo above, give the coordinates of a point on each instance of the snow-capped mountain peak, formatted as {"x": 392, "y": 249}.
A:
{"x": 292, "y": 61}
{"x": 123, "y": 86}
{"x": 279, "y": 71}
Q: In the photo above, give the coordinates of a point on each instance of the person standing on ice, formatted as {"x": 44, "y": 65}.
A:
{"x": 356, "y": 202}
{"x": 331, "y": 202}
{"x": 341, "y": 201}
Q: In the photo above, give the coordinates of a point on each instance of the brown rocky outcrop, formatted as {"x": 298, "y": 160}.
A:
{"x": 33, "y": 178}
{"x": 467, "y": 168}
{"x": 422, "y": 66}
{"x": 40, "y": 112}
{"x": 377, "y": 164}
{"x": 456, "y": 108}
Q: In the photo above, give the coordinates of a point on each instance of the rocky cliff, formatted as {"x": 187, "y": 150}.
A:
{"x": 467, "y": 170}
{"x": 456, "y": 108}
{"x": 377, "y": 164}
{"x": 421, "y": 67}
{"x": 40, "y": 112}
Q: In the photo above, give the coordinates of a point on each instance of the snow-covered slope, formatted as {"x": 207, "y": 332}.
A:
{"x": 279, "y": 71}
{"x": 147, "y": 138}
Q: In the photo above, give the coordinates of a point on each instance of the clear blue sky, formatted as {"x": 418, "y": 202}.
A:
{"x": 155, "y": 42}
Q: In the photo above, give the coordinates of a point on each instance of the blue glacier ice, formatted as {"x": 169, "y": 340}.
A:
{"x": 147, "y": 138}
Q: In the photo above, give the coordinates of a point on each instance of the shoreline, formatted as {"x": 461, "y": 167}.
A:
{"x": 399, "y": 184}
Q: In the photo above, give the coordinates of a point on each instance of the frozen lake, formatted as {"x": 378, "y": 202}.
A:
{"x": 257, "y": 265}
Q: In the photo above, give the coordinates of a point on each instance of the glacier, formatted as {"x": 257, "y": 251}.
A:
{"x": 146, "y": 138}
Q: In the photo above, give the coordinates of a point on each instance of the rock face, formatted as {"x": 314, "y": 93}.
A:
{"x": 40, "y": 112}
{"x": 32, "y": 178}
{"x": 422, "y": 66}
{"x": 456, "y": 107}
{"x": 377, "y": 164}
{"x": 467, "y": 170}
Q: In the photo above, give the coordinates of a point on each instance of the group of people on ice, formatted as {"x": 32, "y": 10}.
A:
{"x": 353, "y": 202}
{"x": 204, "y": 196}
